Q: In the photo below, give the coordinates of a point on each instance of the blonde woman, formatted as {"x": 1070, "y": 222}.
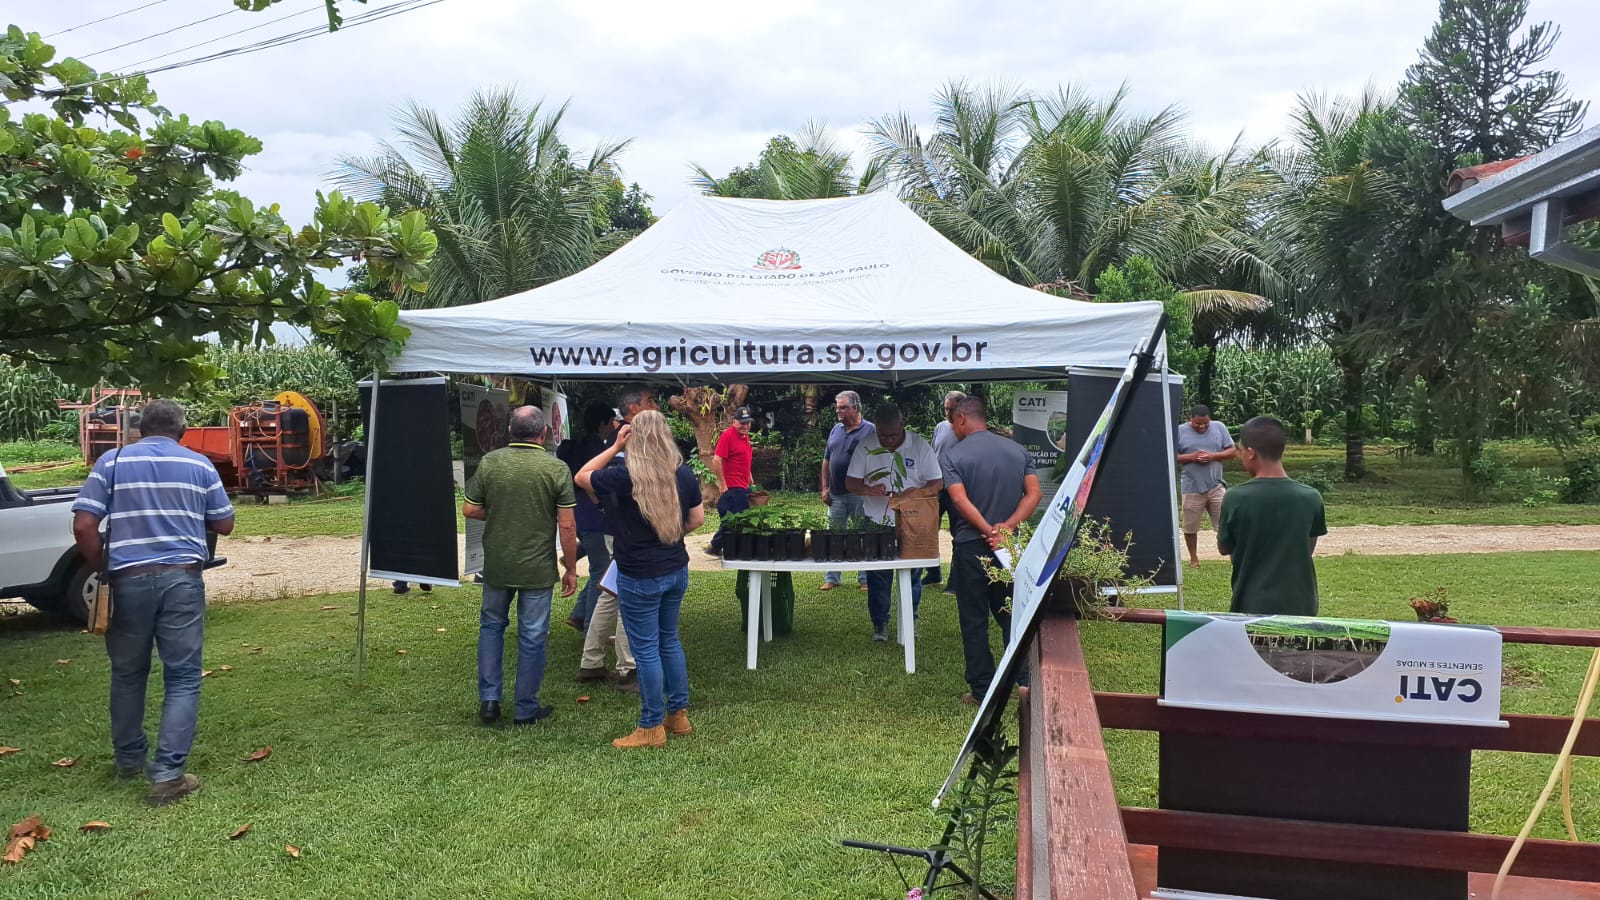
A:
{"x": 651, "y": 500}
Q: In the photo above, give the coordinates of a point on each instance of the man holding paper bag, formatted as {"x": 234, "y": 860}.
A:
{"x": 890, "y": 464}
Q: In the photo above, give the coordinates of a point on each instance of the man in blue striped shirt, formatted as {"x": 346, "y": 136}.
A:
{"x": 157, "y": 500}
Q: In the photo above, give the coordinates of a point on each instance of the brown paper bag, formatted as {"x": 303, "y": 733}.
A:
{"x": 917, "y": 523}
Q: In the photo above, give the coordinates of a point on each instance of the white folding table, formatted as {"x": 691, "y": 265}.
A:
{"x": 760, "y": 614}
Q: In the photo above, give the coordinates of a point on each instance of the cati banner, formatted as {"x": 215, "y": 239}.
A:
{"x": 1039, "y": 424}
{"x": 1333, "y": 668}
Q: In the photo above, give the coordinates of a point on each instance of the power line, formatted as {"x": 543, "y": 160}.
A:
{"x": 282, "y": 40}
{"x": 106, "y": 18}
{"x": 226, "y": 12}
{"x": 314, "y": 9}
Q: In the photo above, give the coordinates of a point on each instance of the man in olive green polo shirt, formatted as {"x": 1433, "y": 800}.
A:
{"x": 524, "y": 496}
{"x": 1269, "y": 526}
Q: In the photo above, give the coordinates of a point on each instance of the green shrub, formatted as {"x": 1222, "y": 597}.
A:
{"x": 21, "y": 453}
{"x": 1582, "y": 478}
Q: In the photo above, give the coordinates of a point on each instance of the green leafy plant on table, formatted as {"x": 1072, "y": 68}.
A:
{"x": 1094, "y": 573}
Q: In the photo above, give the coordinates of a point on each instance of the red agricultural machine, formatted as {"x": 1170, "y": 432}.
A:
{"x": 267, "y": 447}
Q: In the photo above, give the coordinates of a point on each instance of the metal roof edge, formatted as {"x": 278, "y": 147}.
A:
{"x": 1568, "y": 167}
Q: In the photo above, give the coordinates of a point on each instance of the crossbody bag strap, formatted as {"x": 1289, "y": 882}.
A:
{"x": 111, "y": 495}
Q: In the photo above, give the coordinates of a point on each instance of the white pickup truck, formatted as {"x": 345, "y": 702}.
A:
{"x": 39, "y": 561}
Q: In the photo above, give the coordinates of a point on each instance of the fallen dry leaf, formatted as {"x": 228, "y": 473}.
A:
{"x": 441, "y": 630}
{"x": 205, "y": 673}
{"x": 65, "y": 762}
{"x": 95, "y": 826}
{"x": 241, "y": 831}
{"x": 326, "y": 608}
{"x": 292, "y": 850}
{"x": 399, "y": 653}
{"x": 15, "y": 682}
{"x": 27, "y": 826}
{"x": 62, "y": 662}
{"x": 18, "y": 848}
{"x": 4, "y": 751}
{"x": 259, "y": 755}
{"x": 255, "y": 649}
{"x": 224, "y": 668}
{"x": 584, "y": 699}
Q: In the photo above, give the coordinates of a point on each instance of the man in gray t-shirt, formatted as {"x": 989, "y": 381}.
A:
{"x": 1202, "y": 446}
{"x": 993, "y": 488}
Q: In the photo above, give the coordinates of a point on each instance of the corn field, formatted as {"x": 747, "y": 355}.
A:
{"x": 28, "y": 397}
{"x": 259, "y": 373}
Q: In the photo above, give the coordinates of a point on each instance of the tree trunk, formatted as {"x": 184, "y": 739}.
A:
{"x": 710, "y": 413}
{"x": 1207, "y": 375}
{"x": 1355, "y": 456}
{"x": 810, "y": 393}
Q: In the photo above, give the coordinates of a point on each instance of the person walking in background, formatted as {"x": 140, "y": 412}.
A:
{"x": 731, "y": 463}
{"x": 888, "y": 461}
{"x": 595, "y": 613}
{"x": 1202, "y": 446}
{"x": 843, "y": 440}
{"x": 600, "y": 424}
{"x": 993, "y": 489}
{"x": 524, "y": 497}
{"x": 1270, "y": 525}
{"x": 944, "y": 437}
{"x": 159, "y": 500}
{"x": 652, "y": 500}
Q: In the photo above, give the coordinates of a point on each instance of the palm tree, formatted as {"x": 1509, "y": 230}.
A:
{"x": 501, "y": 190}
{"x": 814, "y": 167}
{"x": 1051, "y": 191}
{"x": 1328, "y": 226}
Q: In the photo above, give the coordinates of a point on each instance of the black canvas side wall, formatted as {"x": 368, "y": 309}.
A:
{"x": 413, "y": 526}
{"x": 1137, "y": 485}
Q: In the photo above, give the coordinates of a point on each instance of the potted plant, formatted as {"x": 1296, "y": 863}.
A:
{"x": 1432, "y": 607}
{"x": 1094, "y": 575}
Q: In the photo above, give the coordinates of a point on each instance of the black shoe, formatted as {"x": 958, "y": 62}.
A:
{"x": 880, "y": 632}
{"x": 933, "y": 579}
{"x": 129, "y": 773}
{"x": 587, "y": 676}
{"x": 544, "y": 712}
{"x": 489, "y": 711}
{"x": 628, "y": 684}
{"x": 401, "y": 587}
{"x": 426, "y": 588}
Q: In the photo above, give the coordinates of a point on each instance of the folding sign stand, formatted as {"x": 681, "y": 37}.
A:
{"x": 938, "y": 861}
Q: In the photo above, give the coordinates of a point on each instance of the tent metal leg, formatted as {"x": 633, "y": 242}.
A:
{"x": 1172, "y": 454}
{"x": 366, "y": 529}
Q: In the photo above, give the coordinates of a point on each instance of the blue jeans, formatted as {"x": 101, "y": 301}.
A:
{"x": 733, "y": 500}
{"x": 533, "y": 629}
{"x": 650, "y": 608}
{"x": 839, "y": 512}
{"x": 167, "y": 609}
{"x": 880, "y": 593}
{"x": 599, "y": 556}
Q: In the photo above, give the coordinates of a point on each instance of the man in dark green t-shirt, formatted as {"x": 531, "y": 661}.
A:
{"x": 1270, "y": 525}
{"x": 524, "y": 496}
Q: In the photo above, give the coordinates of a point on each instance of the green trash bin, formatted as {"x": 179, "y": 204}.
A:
{"x": 781, "y": 598}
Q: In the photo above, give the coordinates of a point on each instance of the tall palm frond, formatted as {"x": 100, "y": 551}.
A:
{"x": 511, "y": 207}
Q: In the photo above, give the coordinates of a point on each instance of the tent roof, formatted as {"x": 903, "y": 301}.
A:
{"x": 851, "y": 290}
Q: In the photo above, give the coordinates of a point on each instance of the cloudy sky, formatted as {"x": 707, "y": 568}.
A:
{"x": 710, "y": 81}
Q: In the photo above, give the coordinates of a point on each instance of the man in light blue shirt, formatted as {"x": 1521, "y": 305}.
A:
{"x": 157, "y": 500}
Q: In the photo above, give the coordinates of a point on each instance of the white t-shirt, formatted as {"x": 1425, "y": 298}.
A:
{"x": 921, "y": 463}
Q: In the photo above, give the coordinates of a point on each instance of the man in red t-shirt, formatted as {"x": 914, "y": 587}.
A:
{"x": 730, "y": 463}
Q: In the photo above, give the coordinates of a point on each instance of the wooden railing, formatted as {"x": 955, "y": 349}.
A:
{"x": 1070, "y": 822}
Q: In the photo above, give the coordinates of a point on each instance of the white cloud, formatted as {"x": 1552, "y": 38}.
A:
{"x": 710, "y": 81}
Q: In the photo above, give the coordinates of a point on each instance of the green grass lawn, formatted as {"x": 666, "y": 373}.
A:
{"x": 392, "y": 789}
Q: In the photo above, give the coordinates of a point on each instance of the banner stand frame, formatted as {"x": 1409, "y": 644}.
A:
{"x": 366, "y": 527}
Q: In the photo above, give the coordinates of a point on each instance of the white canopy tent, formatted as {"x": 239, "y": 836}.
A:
{"x": 850, "y": 290}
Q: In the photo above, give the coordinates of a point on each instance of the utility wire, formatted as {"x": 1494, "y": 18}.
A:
{"x": 106, "y": 18}
{"x": 226, "y": 12}
{"x": 292, "y": 37}
{"x": 314, "y": 9}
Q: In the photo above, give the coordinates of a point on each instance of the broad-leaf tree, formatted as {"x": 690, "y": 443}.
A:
{"x": 120, "y": 258}
{"x": 511, "y": 207}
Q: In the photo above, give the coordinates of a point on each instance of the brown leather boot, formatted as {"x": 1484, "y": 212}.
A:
{"x": 642, "y": 737}
{"x": 677, "y": 722}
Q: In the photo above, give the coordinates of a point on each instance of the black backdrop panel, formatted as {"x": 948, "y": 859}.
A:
{"x": 413, "y": 526}
{"x": 1137, "y": 486}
